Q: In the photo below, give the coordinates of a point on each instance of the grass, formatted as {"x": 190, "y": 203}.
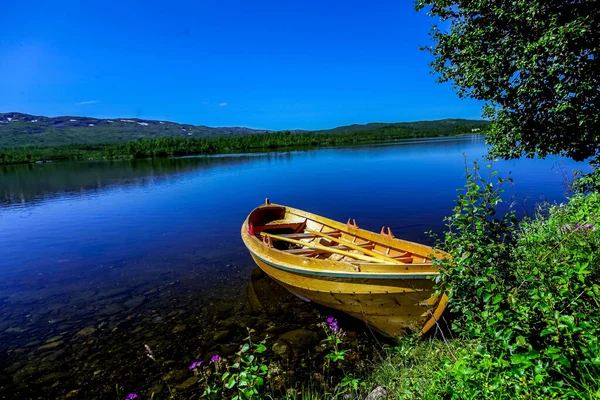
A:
{"x": 413, "y": 368}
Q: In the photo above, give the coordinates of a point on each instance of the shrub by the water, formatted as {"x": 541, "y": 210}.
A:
{"x": 527, "y": 303}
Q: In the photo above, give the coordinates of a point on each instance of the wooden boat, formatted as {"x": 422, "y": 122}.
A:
{"x": 375, "y": 277}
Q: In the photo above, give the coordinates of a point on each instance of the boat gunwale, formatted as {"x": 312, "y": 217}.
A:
{"x": 347, "y": 274}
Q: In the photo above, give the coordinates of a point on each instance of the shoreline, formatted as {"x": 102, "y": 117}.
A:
{"x": 176, "y": 148}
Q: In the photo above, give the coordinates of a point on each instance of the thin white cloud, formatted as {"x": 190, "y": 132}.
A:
{"x": 222, "y": 104}
{"x": 83, "y": 103}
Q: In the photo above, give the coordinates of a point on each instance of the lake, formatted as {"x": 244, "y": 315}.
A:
{"x": 99, "y": 258}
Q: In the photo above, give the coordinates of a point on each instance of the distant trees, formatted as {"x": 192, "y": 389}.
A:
{"x": 173, "y": 146}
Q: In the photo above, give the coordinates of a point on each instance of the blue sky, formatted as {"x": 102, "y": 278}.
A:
{"x": 263, "y": 64}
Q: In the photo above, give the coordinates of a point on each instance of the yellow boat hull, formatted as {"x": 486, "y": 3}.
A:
{"x": 395, "y": 299}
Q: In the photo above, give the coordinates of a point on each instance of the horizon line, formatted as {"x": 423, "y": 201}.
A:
{"x": 248, "y": 127}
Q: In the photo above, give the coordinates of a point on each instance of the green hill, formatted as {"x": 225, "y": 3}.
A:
{"x": 20, "y": 130}
{"x": 439, "y": 126}
{"x": 17, "y": 129}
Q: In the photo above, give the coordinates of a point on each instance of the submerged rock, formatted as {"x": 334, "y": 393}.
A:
{"x": 300, "y": 339}
{"x": 86, "y": 331}
{"x": 135, "y": 302}
{"x": 276, "y": 329}
{"x": 305, "y": 316}
{"x": 16, "y": 329}
{"x": 282, "y": 348}
{"x": 52, "y": 377}
{"x": 111, "y": 310}
{"x": 245, "y": 321}
{"x": 179, "y": 328}
{"x": 224, "y": 309}
{"x": 51, "y": 346}
{"x": 222, "y": 336}
{"x": 188, "y": 383}
{"x": 228, "y": 349}
{"x": 230, "y": 322}
{"x": 13, "y": 368}
{"x": 113, "y": 293}
{"x": 54, "y": 339}
{"x": 174, "y": 375}
{"x": 55, "y": 356}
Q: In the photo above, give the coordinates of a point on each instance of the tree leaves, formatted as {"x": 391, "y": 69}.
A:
{"x": 535, "y": 64}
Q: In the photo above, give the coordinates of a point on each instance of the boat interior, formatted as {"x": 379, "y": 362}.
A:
{"x": 294, "y": 233}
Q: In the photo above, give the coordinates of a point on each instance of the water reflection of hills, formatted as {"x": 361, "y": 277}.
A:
{"x": 32, "y": 183}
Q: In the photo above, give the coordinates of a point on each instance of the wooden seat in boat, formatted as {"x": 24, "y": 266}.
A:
{"x": 307, "y": 235}
{"x": 309, "y": 251}
{"x": 278, "y": 225}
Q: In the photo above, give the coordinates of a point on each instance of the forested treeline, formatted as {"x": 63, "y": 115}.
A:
{"x": 166, "y": 147}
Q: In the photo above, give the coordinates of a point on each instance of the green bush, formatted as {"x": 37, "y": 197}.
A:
{"x": 527, "y": 293}
{"x": 526, "y": 299}
{"x": 588, "y": 182}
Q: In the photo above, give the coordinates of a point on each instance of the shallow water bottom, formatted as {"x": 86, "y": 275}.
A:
{"x": 90, "y": 343}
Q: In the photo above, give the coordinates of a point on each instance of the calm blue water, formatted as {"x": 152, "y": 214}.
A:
{"x": 74, "y": 216}
{"x": 81, "y": 243}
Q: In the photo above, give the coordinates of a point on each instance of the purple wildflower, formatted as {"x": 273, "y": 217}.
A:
{"x": 590, "y": 227}
{"x": 131, "y": 396}
{"x": 195, "y": 364}
{"x": 333, "y": 324}
{"x": 215, "y": 358}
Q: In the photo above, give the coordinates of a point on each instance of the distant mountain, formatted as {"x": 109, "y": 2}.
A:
{"x": 18, "y": 129}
